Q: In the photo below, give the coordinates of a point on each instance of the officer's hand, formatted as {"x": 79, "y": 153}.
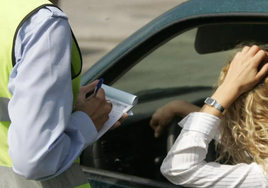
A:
{"x": 96, "y": 108}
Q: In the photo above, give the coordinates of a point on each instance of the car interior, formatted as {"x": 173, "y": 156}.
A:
{"x": 185, "y": 67}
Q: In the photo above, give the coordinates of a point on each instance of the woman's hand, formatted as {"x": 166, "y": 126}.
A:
{"x": 161, "y": 118}
{"x": 246, "y": 70}
{"x": 165, "y": 114}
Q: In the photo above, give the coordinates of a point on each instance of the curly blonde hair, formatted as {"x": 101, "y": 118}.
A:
{"x": 244, "y": 127}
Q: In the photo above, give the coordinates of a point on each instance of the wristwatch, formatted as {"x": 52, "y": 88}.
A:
{"x": 212, "y": 102}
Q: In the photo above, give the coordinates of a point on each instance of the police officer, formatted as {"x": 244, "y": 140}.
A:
{"x": 45, "y": 121}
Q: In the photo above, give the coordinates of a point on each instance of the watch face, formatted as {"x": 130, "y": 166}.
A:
{"x": 209, "y": 101}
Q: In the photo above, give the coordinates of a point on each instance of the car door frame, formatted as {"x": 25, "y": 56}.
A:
{"x": 114, "y": 179}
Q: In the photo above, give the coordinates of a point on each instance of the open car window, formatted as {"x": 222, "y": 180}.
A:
{"x": 174, "y": 71}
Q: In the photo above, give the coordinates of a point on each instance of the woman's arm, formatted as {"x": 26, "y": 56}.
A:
{"x": 185, "y": 165}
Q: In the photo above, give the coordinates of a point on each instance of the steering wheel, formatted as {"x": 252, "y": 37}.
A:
{"x": 173, "y": 132}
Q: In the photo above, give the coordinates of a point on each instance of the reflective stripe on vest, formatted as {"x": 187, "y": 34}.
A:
{"x": 3, "y": 109}
{"x": 74, "y": 177}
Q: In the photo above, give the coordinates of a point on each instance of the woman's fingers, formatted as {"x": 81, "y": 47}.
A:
{"x": 247, "y": 69}
{"x": 154, "y": 123}
{"x": 262, "y": 72}
{"x": 259, "y": 57}
{"x": 159, "y": 131}
{"x": 245, "y": 49}
{"x": 253, "y": 50}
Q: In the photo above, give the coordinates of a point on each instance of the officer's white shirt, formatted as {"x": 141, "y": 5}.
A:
{"x": 45, "y": 137}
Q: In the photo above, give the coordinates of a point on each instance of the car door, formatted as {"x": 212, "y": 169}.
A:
{"x": 178, "y": 56}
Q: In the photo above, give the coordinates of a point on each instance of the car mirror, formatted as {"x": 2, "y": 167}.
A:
{"x": 222, "y": 37}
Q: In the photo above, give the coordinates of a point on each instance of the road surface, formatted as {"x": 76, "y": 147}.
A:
{"x": 100, "y": 25}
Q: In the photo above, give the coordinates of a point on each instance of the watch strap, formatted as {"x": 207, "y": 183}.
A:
{"x": 212, "y": 102}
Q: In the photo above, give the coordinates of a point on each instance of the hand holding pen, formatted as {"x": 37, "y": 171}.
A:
{"x": 91, "y": 95}
{"x": 91, "y": 100}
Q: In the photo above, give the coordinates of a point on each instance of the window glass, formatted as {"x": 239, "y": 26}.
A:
{"x": 173, "y": 66}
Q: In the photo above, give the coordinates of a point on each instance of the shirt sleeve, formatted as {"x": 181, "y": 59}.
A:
{"x": 45, "y": 137}
{"x": 185, "y": 165}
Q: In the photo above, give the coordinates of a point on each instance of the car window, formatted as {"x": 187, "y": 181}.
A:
{"x": 174, "y": 71}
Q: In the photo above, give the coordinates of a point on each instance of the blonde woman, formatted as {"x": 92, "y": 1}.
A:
{"x": 242, "y": 97}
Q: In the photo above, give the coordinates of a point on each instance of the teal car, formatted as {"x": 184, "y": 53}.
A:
{"x": 177, "y": 56}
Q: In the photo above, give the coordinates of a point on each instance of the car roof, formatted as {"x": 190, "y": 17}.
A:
{"x": 197, "y": 7}
{"x": 190, "y": 10}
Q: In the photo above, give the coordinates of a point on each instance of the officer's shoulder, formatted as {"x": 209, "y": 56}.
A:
{"x": 47, "y": 13}
{"x": 56, "y": 12}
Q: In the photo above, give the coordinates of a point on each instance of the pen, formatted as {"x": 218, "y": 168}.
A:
{"x": 98, "y": 86}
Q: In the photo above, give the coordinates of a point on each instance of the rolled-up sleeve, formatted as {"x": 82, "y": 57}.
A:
{"x": 45, "y": 137}
{"x": 185, "y": 165}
